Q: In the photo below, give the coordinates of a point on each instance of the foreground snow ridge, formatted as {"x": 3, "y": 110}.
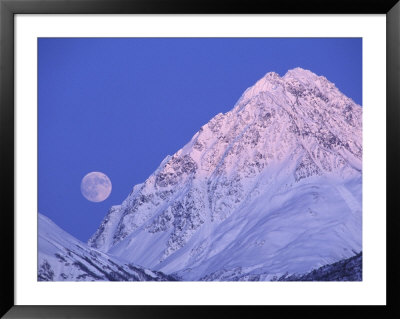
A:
{"x": 61, "y": 257}
{"x": 268, "y": 190}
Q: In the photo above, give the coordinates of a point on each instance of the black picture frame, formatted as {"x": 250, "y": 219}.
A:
{"x": 8, "y": 8}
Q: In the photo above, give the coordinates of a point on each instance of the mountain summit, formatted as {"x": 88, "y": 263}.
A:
{"x": 271, "y": 187}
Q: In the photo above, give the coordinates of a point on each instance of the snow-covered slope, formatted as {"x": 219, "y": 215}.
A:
{"x": 61, "y": 257}
{"x": 271, "y": 187}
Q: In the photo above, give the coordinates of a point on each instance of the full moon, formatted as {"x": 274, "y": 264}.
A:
{"x": 96, "y": 186}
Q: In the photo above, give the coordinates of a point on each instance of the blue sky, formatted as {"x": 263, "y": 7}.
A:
{"x": 121, "y": 105}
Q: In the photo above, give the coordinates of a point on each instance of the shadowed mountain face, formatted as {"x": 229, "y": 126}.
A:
{"x": 272, "y": 187}
{"x": 349, "y": 269}
{"x": 61, "y": 257}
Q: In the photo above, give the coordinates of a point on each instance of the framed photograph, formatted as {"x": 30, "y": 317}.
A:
{"x": 161, "y": 155}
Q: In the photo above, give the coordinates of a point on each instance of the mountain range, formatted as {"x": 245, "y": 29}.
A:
{"x": 269, "y": 190}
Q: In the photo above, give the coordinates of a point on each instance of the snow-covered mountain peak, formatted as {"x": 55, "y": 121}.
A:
{"x": 308, "y": 78}
{"x": 290, "y": 147}
{"x": 299, "y": 72}
{"x": 297, "y": 82}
